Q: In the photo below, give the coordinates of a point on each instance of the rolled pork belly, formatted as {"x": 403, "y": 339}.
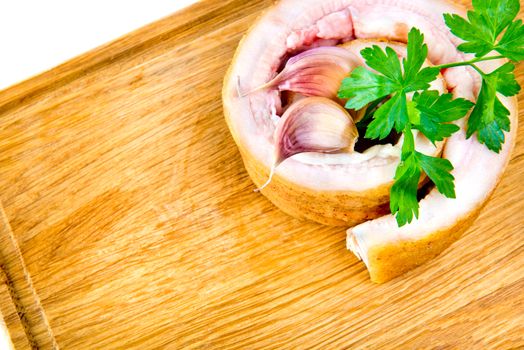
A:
{"x": 351, "y": 189}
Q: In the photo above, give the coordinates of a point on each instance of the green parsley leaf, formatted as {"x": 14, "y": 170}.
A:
{"x": 441, "y": 107}
{"x": 436, "y": 111}
{"x": 422, "y": 80}
{"x": 363, "y": 87}
{"x": 417, "y": 52}
{"x": 497, "y": 14}
{"x": 490, "y": 118}
{"x": 504, "y": 80}
{"x": 484, "y": 25}
{"x": 475, "y": 33}
{"x": 391, "y": 114}
{"x": 439, "y": 171}
{"x": 512, "y": 43}
{"x": 413, "y": 113}
{"x": 490, "y": 26}
{"x": 403, "y": 193}
{"x": 386, "y": 62}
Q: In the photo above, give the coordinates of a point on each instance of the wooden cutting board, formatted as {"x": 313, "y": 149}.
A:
{"x": 129, "y": 221}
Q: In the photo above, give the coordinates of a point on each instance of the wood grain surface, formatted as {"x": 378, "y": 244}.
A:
{"x": 129, "y": 222}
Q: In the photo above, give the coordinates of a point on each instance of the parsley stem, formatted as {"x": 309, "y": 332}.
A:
{"x": 482, "y": 74}
{"x": 469, "y": 63}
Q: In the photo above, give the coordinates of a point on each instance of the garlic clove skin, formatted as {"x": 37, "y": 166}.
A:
{"x": 313, "y": 124}
{"x": 315, "y": 72}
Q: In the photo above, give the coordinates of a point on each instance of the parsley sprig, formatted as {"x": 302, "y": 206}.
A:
{"x": 491, "y": 26}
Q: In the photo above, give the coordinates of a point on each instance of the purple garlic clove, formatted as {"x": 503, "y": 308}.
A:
{"x": 313, "y": 124}
{"x": 315, "y": 72}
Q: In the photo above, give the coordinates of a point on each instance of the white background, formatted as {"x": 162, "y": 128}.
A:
{"x": 36, "y": 35}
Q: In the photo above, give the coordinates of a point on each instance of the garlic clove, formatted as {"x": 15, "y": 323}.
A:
{"x": 313, "y": 124}
{"x": 315, "y": 72}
